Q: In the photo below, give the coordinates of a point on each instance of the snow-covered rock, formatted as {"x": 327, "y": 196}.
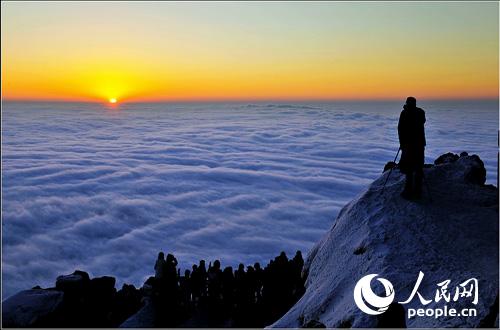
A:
{"x": 144, "y": 318}
{"x": 26, "y": 308}
{"x": 450, "y": 234}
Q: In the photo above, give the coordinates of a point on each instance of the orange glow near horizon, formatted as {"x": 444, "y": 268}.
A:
{"x": 242, "y": 51}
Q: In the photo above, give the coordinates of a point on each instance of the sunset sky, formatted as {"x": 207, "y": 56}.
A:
{"x": 162, "y": 51}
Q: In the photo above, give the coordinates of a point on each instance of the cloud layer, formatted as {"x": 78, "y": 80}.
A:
{"x": 103, "y": 190}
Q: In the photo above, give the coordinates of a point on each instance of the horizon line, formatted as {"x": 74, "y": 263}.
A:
{"x": 247, "y": 100}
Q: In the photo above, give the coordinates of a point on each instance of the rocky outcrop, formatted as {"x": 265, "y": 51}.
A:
{"x": 453, "y": 236}
{"x": 75, "y": 301}
{"x": 30, "y": 307}
{"x": 447, "y": 158}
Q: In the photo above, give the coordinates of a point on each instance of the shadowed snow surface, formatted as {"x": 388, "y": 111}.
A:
{"x": 454, "y": 237}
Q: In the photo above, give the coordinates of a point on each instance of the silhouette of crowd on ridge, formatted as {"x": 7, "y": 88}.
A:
{"x": 250, "y": 296}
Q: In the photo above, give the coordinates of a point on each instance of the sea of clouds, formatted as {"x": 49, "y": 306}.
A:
{"x": 103, "y": 189}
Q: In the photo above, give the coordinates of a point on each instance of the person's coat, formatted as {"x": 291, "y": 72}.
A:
{"x": 411, "y": 138}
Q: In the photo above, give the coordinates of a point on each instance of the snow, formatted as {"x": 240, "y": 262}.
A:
{"x": 144, "y": 318}
{"x": 103, "y": 189}
{"x": 28, "y": 306}
{"x": 454, "y": 236}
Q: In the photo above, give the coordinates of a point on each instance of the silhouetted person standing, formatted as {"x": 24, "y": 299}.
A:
{"x": 196, "y": 284}
{"x": 259, "y": 274}
{"x": 228, "y": 289}
{"x": 412, "y": 142}
{"x": 170, "y": 274}
{"x": 215, "y": 282}
{"x": 297, "y": 263}
{"x": 203, "y": 278}
{"x": 160, "y": 266}
{"x": 185, "y": 288}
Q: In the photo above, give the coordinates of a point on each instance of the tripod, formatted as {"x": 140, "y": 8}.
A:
{"x": 423, "y": 177}
{"x": 390, "y": 171}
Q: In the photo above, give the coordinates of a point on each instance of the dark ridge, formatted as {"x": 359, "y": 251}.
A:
{"x": 201, "y": 297}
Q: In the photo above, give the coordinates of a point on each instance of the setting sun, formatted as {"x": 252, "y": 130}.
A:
{"x": 113, "y": 100}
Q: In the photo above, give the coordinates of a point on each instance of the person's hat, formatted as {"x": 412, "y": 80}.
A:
{"x": 410, "y": 100}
